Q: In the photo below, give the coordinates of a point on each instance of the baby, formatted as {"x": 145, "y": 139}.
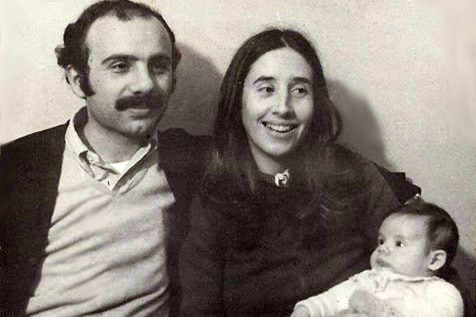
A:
{"x": 415, "y": 242}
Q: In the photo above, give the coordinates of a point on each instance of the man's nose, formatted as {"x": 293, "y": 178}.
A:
{"x": 143, "y": 81}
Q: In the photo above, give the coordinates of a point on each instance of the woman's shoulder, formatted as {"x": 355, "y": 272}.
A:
{"x": 344, "y": 157}
{"x": 337, "y": 163}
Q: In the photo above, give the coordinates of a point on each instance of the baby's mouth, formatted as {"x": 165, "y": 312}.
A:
{"x": 382, "y": 263}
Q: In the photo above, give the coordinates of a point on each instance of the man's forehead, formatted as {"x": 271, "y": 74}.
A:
{"x": 112, "y": 33}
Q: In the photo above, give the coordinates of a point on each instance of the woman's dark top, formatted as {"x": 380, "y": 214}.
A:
{"x": 222, "y": 274}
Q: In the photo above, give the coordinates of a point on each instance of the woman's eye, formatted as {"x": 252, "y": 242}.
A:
{"x": 266, "y": 89}
{"x": 300, "y": 91}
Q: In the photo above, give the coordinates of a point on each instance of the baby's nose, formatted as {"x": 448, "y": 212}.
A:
{"x": 383, "y": 248}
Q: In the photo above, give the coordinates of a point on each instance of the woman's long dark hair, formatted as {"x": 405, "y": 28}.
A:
{"x": 232, "y": 174}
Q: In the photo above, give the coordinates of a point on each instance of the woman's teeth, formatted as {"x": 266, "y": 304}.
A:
{"x": 279, "y": 128}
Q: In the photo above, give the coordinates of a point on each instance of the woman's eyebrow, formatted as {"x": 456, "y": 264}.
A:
{"x": 304, "y": 80}
{"x": 263, "y": 78}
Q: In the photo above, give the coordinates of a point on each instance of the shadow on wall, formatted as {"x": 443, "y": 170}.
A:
{"x": 361, "y": 131}
{"x": 194, "y": 101}
{"x": 193, "y": 107}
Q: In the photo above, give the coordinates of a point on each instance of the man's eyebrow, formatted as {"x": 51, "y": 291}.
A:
{"x": 263, "y": 78}
{"x": 118, "y": 57}
{"x": 127, "y": 57}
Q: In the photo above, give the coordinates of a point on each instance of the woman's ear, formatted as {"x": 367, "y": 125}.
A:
{"x": 74, "y": 80}
{"x": 438, "y": 259}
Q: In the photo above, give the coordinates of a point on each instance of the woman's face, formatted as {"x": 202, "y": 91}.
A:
{"x": 277, "y": 106}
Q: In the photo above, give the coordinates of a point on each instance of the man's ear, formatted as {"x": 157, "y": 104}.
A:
{"x": 438, "y": 259}
{"x": 74, "y": 80}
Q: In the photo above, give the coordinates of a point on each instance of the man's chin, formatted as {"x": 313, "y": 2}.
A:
{"x": 141, "y": 133}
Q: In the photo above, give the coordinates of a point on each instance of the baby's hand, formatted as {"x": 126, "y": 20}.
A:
{"x": 301, "y": 311}
{"x": 365, "y": 302}
{"x": 350, "y": 313}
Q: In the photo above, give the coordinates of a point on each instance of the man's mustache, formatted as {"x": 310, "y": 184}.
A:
{"x": 150, "y": 100}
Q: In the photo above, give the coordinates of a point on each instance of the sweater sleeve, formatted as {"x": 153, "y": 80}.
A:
{"x": 327, "y": 304}
{"x": 201, "y": 265}
{"x": 381, "y": 200}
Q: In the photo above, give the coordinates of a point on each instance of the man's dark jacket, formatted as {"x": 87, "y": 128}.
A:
{"x": 30, "y": 169}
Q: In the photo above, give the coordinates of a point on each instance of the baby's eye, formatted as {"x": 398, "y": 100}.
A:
{"x": 399, "y": 243}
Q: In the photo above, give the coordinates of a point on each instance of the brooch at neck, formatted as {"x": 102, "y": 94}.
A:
{"x": 282, "y": 179}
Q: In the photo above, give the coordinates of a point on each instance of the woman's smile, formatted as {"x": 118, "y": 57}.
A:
{"x": 278, "y": 105}
{"x": 280, "y": 128}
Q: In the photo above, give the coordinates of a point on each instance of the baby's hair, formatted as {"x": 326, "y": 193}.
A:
{"x": 442, "y": 232}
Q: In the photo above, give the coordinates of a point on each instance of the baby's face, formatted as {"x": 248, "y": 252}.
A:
{"x": 402, "y": 246}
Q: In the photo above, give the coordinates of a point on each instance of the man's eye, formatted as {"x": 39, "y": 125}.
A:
{"x": 159, "y": 68}
{"x": 119, "y": 67}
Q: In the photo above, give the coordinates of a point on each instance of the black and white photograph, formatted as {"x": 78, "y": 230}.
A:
{"x": 238, "y": 158}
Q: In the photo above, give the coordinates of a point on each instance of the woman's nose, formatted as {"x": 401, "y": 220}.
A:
{"x": 283, "y": 103}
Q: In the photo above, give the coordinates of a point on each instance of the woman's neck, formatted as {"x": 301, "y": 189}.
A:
{"x": 269, "y": 165}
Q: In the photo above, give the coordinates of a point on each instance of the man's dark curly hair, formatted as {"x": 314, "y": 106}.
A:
{"x": 75, "y": 53}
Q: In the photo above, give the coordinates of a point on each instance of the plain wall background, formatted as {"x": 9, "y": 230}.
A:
{"x": 388, "y": 64}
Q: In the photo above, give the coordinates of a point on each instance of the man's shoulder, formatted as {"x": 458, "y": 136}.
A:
{"x": 35, "y": 151}
{"x": 178, "y": 144}
{"x": 183, "y": 153}
{"x": 36, "y": 141}
{"x": 178, "y": 138}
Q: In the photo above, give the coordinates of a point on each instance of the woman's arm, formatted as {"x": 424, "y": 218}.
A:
{"x": 381, "y": 201}
{"x": 201, "y": 265}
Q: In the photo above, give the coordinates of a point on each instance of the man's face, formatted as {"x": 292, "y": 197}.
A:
{"x": 131, "y": 75}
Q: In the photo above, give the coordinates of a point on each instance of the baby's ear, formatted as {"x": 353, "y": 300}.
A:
{"x": 438, "y": 259}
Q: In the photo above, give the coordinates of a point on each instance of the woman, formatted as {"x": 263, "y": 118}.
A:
{"x": 284, "y": 212}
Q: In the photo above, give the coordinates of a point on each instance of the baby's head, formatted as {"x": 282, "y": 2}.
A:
{"x": 417, "y": 239}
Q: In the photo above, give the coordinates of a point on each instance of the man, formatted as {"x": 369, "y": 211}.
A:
{"x": 93, "y": 211}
